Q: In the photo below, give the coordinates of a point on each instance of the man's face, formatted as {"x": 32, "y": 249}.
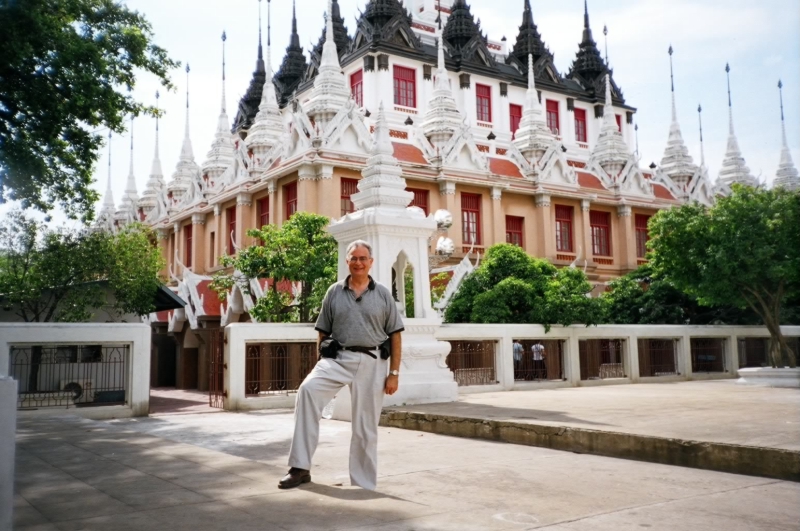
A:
{"x": 359, "y": 262}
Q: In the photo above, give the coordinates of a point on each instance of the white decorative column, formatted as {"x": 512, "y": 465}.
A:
{"x": 398, "y": 235}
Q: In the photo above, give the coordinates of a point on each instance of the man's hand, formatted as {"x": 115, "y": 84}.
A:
{"x": 391, "y": 385}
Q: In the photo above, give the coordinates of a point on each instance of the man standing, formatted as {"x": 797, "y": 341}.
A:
{"x": 518, "y": 352}
{"x": 360, "y": 315}
{"x": 539, "y": 355}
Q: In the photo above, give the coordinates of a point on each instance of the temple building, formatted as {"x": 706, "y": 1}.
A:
{"x": 488, "y": 130}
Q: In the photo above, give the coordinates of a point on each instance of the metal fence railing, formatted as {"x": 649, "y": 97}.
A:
{"x": 657, "y": 357}
{"x": 65, "y": 376}
{"x": 540, "y": 363}
{"x": 277, "y": 368}
{"x": 601, "y": 359}
{"x": 708, "y": 354}
{"x": 473, "y": 362}
{"x": 753, "y": 352}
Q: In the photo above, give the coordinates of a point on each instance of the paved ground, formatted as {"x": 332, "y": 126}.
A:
{"x": 715, "y": 411}
{"x": 171, "y": 401}
{"x": 219, "y": 471}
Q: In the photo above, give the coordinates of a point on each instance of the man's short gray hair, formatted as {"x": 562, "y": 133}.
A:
{"x": 358, "y": 243}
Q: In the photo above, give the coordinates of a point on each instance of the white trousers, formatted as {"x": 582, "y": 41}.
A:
{"x": 366, "y": 377}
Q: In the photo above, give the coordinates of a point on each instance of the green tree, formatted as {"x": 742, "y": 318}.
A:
{"x": 744, "y": 252}
{"x": 511, "y": 287}
{"x": 67, "y": 67}
{"x": 301, "y": 250}
{"x": 68, "y": 276}
{"x": 645, "y": 297}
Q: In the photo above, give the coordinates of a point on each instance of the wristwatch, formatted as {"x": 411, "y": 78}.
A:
{"x": 394, "y": 373}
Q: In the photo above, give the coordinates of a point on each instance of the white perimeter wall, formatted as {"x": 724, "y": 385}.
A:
{"x": 238, "y": 335}
{"x": 136, "y": 336}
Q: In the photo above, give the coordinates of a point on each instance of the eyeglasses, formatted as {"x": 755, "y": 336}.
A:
{"x": 362, "y": 259}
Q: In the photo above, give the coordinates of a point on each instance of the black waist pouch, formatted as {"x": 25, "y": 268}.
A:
{"x": 386, "y": 348}
{"x": 329, "y": 348}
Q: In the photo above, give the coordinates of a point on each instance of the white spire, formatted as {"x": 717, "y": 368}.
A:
{"x": 220, "y": 156}
{"x": 330, "y": 92}
{"x": 155, "y": 182}
{"x": 787, "y": 176}
{"x": 105, "y": 219}
{"x": 187, "y": 168}
{"x": 130, "y": 198}
{"x": 533, "y": 138}
{"x": 702, "y": 151}
{"x": 383, "y": 186}
{"x": 442, "y": 118}
{"x": 611, "y": 151}
{"x": 676, "y": 163}
{"x": 734, "y": 169}
{"x": 268, "y": 123}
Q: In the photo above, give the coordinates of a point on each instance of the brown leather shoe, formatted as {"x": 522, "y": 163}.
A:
{"x": 295, "y": 478}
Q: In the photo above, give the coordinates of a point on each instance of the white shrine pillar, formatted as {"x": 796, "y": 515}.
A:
{"x": 398, "y": 235}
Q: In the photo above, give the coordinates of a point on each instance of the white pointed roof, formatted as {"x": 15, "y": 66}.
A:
{"x": 268, "y": 124}
{"x": 105, "y": 218}
{"x": 442, "y": 119}
{"x": 786, "y": 176}
{"x": 155, "y": 182}
{"x": 187, "y": 169}
{"x": 610, "y": 149}
{"x": 382, "y": 185}
{"x": 734, "y": 169}
{"x": 330, "y": 91}
{"x": 130, "y": 198}
{"x": 220, "y": 156}
{"x": 676, "y": 163}
{"x": 533, "y": 137}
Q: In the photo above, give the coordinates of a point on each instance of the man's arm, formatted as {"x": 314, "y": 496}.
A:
{"x": 394, "y": 363}
{"x": 320, "y": 337}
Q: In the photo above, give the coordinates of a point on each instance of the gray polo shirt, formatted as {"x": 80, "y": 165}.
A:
{"x": 364, "y": 321}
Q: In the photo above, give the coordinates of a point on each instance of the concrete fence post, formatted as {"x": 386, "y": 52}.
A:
{"x": 732, "y": 355}
{"x": 8, "y": 426}
{"x": 572, "y": 361}
{"x": 233, "y": 380}
{"x": 505, "y": 362}
{"x": 685, "y": 355}
{"x": 633, "y": 358}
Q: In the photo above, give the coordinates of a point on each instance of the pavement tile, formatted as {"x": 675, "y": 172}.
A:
{"x": 115, "y": 522}
{"x": 101, "y": 505}
{"x": 212, "y": 516}
{"x": 25, "y": 516}
{"x": 151, "y": 500}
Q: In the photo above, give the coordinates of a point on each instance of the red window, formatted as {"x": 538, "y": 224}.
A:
{"x": 349, "y": 187}
{"x": 564, "y": 228}
{"x": 552, "y": 116}
{"x": 420, "y": 199}
{"x": 515, "y": 112}
{"x": 470, "y": 219}
{"x": 601, "y": 232}
{"x": 230, "y": 213}
{"x": 290, "y": 194}
{"x": 187, "y": 245}
{"x": 580, "y": 125}
{"x": 405, "y": 86}
{"x": 619, "y": 122}
{"x": 484, "y": 102}
{"x": 357, "y": 87}
{"x": 263, "y": 211}
{"x": 641, "y": 234}
{"x": 514, "y": 230}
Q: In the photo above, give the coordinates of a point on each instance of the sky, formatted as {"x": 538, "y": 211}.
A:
{"x": 760, "y": 41}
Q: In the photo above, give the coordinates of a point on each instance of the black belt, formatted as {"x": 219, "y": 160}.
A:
{"x": 363, "y": 350}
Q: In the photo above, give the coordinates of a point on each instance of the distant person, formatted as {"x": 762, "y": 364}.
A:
{"x": 539, "y": 355}
{"x": 519, "y": 351}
